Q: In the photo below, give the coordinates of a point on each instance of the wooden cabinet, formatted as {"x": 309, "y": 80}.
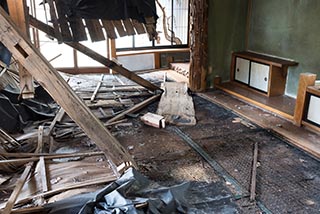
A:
{"x": 264, "y": 73}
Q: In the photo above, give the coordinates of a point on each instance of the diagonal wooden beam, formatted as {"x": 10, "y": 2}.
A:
{"x": 24, "y": 52}
{"x": 99, "y": 58}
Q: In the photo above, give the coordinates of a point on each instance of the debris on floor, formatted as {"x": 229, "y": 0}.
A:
{"x": 176, "y": 105}
{"x": 154, "y": 120}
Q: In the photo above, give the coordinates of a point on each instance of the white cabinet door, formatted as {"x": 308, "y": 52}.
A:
{"x": 259, "y": 76}
{"x": 242, "y": 70}
{"x": 314, "y": 109}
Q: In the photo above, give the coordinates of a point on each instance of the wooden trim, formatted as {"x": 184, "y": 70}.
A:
{"x": 305, "y": 80}
{"x": 85, "y": 70}
{"x": 268, "y": 108}
{"x": 167, "y": 50}
{"x": 157, "y": 61}
{"x": 270, "y": 60}
{"x": 24, "y": 52}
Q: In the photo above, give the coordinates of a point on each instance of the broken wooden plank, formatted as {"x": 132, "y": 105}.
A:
{"x": 18, "y": 187}
{"x": 93, "y": 97}
{"x": 95, "y": 30}
{"x": 54, "y": 20}
{"x": 109, "y": 28}
{"x": 118, "y": 25}
{"x": 50, "y": 79}
{"x": 253, "y": 182}
{"x": 57, "y": 118}
{"x": 129, "y": 27}
{"x": 138, "y": 26}
{"x": 69, "y": 187}
{"x": 43, "y": 172}
{"x": 50, "y": 156}
{"x": 78, "y": 29}
{"x": 135, "y": 108}
{"x": 62, "y": 20}
{"x": 99, "y": 58}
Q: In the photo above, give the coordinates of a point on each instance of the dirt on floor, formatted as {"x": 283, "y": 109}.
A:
{"x": 287, "y": 178}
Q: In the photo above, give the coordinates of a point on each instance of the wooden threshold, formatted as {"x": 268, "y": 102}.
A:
{"x": 281, "y": 105}
{"x": 298, "y": 136}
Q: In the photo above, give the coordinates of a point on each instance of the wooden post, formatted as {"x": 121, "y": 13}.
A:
{"x": 198, "y": 45}
{"x": 304, "y": 81}
{"x": 24, "y": 52}
{"x": 19, "y": 14}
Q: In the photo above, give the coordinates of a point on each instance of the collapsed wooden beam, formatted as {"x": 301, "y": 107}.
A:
{"x": 24, "y": 52}
{"x": 99, "y": 58}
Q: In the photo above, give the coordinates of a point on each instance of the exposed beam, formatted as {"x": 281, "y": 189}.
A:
{"x": 96, "y": 56}
{"x": 18, "y": 12}
{"x": 24, "y": 52}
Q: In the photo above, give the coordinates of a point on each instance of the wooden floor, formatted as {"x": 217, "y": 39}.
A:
{"x": 300, "y": 137}
{"x": 281, "y": 105}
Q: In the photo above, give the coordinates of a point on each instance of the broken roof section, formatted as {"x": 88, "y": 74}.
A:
{"x": 127, "y": 17}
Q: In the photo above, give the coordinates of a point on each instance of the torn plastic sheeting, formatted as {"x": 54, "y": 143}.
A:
{"x": 111, "y": 9}
{"x": 131, "y": 194}
{"x": 134, "y": 189}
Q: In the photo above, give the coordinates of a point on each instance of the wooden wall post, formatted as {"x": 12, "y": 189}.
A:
{"x": 198, "y": 44}
{"x": 19, "y": 12}
{"x": 305, "y": 80}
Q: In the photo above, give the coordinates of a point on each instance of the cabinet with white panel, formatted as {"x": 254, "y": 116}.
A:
{"x": 261, "y": 72}
{"x": 313, "y": 113}
{"x": 242, "y": 70}
{"x": 259, "y": 76}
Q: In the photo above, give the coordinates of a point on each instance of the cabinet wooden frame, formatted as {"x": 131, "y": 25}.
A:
{"x": 312, "y": 91}
{"x": 277, "y": 71}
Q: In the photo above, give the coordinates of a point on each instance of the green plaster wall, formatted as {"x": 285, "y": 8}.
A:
{"x": 227, "y": 29}
{"x": 289, "y": 29}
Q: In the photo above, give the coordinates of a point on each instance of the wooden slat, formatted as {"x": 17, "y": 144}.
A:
{"x": 118, "y": 25}
{"x": 109, "y": 28}
{"x": 99, "y": 58}
{"x": 135, "y": 108}
{"x": 95, "y": 30}
{"x": 62, "y": 20}
{"x": 129, "y": 27}
{"x": 58, "y": 88}
{"x": 78, "y": 29}
{"x": 54, "y": 21}
{"x": 138, "y": 26}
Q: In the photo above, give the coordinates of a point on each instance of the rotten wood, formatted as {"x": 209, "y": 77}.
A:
{"x": 99, "y": 58}
{"x": 135, "y": 108}
{"x": 253, "y": 183}
{"x": 51, "y": 156}
{"x": 69, "y": 187}
{"x": 24, "y": 52}
{"x": 198, "y": 45}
